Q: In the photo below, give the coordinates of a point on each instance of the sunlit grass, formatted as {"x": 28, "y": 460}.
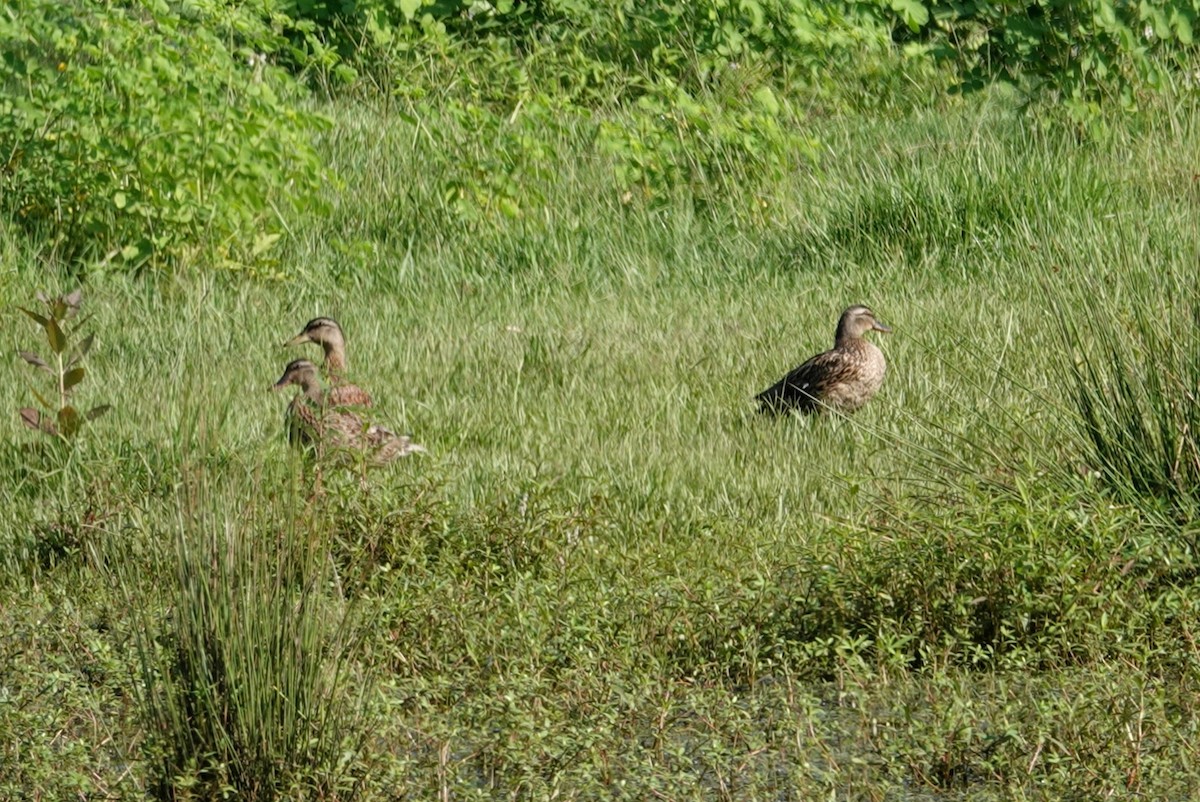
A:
{"x": 608, "y": 572}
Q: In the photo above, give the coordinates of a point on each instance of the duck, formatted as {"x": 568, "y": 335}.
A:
{"x": 314, "y": 421}
{"x": 841, "y": 379}
{"x": 326, "y": 332}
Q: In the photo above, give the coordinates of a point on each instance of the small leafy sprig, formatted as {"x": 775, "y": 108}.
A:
{"x": 64, "y": 420}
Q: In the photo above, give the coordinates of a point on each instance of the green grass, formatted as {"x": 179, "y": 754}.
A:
{"x": 609, "y": 577}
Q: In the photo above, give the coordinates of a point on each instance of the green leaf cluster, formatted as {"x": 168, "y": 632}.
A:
{"x": 137, "y": 132}
{"x": 1086, "y": 55}
{"x": 674, "y": 98}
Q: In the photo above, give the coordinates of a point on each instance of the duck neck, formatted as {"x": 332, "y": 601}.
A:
{"x": 335, "y": 358}
{"x": 845, "y": 338}
{"x": 311, "y": 389}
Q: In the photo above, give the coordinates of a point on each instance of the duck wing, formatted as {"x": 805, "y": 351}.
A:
{"x": 803, "y": 387}
{"x": 324, "y": 426}
{"x": 347, "y": 395}
{"x": 386, "y": 445}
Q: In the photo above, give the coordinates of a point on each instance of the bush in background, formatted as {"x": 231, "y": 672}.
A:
{"x": 136, "y": 132}
{"x": 1084, "y": 55}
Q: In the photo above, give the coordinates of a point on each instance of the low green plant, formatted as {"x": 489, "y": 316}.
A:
{"x": 497, "y": 171}
{"x": 1134, "y": 379}
{"x": 243, "y": 685}
{"x": 64, "y": 368}
{"x": 706, "y": 144}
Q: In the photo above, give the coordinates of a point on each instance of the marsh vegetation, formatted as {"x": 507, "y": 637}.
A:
{"x": 566, "y": 267}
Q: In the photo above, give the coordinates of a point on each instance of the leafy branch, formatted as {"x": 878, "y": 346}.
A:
{"x": 64, "y": 366}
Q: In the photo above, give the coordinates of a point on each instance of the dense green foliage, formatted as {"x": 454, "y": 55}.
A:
{"x": 131, "y": 132}
{"x": 568, "y": 241}
{"x": 1089, "y": 53}
{"x": 109, "y": 161}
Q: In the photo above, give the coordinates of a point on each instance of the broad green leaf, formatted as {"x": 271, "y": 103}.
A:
{"x": 97, "y": 411}
{"x": 1158, "y": 22}
{"x": 71, "y": 378}
{"x": 264, "y": 243}
{"x": 766, "y": 100}
{"x": 55, "y": 336}
{"x": 1104, "y": 14}
{"x": 509, "y": 207}
{"x": 1183, "y": 28}
{"x": 39, "y": 319}
{"x": 913, "y": 12}
{"x": 755, "y": 11}
{"x": 68, "y": 421}
{"x": 409, "y": 8}
{"x": 1025, "y": 35}
{"x": 120, "y": 200}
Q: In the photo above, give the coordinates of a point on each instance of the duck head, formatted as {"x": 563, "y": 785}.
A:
{"x": 303, "y": 374}
{"x": 323, "y": 331}
{"x": 856, "y": 321}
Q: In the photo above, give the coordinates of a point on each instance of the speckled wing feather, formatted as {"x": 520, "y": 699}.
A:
{"x": 348, "y": 395}
{"x": 802, "y": 388}
{"x": 331, "y": 427}
{"x": 387, "y": 445}
{"x": 341, "y": 430}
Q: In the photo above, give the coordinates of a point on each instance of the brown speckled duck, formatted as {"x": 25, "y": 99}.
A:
{"x": 314, "y": 421}
{"x": 841, "y": 379}
{"x": 326, "y": 332}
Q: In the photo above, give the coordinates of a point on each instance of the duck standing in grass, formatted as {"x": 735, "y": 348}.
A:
{"x": 325, "y": 332}
{"x": 840, "y": 379}
{"x": 314, "y": 421}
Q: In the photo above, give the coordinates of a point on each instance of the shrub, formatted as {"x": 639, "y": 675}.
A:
{"x": 242, "y": 693}
{"x": 1087, "y": 54}
{"x": 137, "y": 131}
{"x": 708, "y": 144}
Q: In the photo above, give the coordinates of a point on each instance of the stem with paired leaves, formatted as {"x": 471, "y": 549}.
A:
{"x": 64, "y": 420}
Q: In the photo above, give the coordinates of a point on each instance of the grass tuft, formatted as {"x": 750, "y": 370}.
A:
{"x": 1135, "y": 382}
{"x": 243, "y": 680}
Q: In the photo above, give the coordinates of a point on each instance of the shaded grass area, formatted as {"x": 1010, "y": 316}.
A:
{"x": 609, "y": 577}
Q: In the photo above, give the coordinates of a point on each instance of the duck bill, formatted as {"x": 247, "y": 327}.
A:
{"x": 299, "y": 339}
{"x": 877, "y": 326}
{"x": 284, "y": 381}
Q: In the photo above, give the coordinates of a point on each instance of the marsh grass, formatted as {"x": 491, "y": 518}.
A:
{"x": 245, "y": 678}
{"x": 1135, "y": 388}
{"x": 609, "y": 577}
